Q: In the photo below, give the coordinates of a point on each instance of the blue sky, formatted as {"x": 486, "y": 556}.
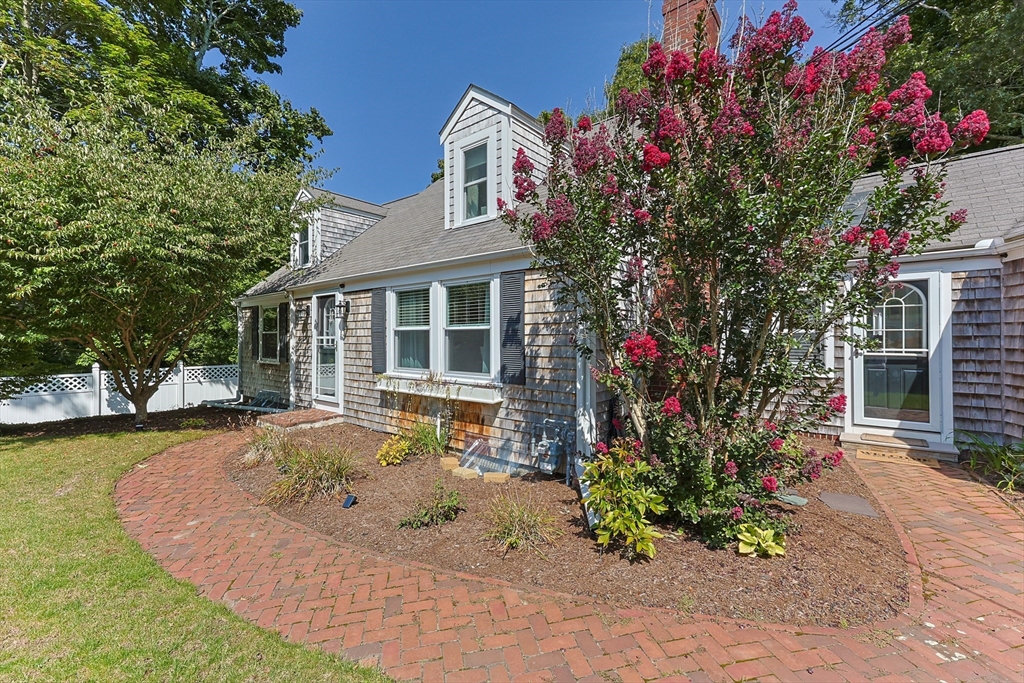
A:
{"x": 387, "y": 73}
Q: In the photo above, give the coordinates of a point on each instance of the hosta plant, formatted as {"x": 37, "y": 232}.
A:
{"x": 763, "y": 542}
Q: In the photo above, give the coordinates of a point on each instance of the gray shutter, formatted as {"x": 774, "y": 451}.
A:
{"x": 513, "y": 350}
{"x": 254, "y": 331}
{"x": 379, "y": 331}
{"x": 283, "y": 317}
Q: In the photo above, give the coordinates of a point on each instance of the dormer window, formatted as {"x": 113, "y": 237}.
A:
{"x": 302, "y": 250}
{"x": 474, "y": 190}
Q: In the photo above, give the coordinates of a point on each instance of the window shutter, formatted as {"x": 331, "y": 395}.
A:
{"x": 513, "y": 349}
{"x": 282, "y": 332}
{"x": 254, "y": 331}
{"x": 378, "y": 331}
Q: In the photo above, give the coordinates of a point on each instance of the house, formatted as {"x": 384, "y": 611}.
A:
{"x": 427, "y": 307}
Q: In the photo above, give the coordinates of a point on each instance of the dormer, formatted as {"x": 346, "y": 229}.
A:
{"x": 480, "y": 141}
{"x": 337, "y": 222}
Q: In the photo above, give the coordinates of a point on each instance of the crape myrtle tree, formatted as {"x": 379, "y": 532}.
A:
{"x": 702, "y": 234}
{"x": 124, "y": 238}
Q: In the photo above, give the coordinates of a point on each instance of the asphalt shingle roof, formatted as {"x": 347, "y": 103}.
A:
{"x": 347, "y": 202}
{"x": 990, "y": 185}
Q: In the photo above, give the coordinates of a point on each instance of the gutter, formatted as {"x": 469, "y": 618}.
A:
{"x": 988, "y": 247}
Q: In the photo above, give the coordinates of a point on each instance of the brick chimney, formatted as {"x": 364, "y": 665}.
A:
{"x": 680, "y": 18}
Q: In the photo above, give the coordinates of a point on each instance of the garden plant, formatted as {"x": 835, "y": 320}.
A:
{"x": 703, "y": 234}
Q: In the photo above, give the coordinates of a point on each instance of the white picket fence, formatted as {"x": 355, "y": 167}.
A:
{"x": 62, "y": 397}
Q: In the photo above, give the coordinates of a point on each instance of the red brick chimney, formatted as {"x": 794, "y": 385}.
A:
{"x": 680, "y": 19}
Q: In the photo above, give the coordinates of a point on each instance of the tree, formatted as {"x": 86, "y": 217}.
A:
{"x": 970, "y": 49}
{"x": 123, "y": 236}
{"x": 628, "y": 73}
{"x": 702, "y": 236}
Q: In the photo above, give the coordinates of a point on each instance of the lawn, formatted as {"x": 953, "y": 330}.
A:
{"x": 81, "y": 601}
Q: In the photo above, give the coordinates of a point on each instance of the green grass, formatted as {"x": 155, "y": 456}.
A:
{"x": 81, "y": 601}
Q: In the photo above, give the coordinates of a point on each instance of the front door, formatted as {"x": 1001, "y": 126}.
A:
{"x": 326, "y": 347}
{"x": 896, "y": 383}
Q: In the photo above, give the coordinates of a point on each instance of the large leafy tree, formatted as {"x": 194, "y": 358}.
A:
{"x": 972, "y": 51}
{"x": 124, "y": 236}
{"x": 703, "y": 235}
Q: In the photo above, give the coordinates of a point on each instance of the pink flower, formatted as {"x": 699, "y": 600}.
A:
{"x": 654, "y": 67}
{"x": 543, "y": 228}
{"x": 770, "y": 484}
{"x": 616, "y": 424}
{"x": 852, "y": 234}
{"x": 669, "y": 127}
{"x": 902, "y": 163}
{"x": 833, "y": 459}
{"x": 974, "y": 127}
{"x": 776, "y": 444}
{"x": 736, "y": 513}
{"x": 771, "y": 426}
{"x": 616, "y": 372}
{"x": 638, "y": 445}
{"x": 557, "y": 129}
{"x": 959, "y": 216}
{"x": 708, "y": 351}
{"x": 932, "y": 137}
{"x": 731, "y": 469}
{"x": 731, "y": 122}
{"x": 601, "y": 447}
{"x": 584, "y": 124}
{"x": 837, "y": 404}
{"x": 879, "y": 240}
{"x": 671, "y": 406}
{"x": 864, "y": 136}
{"x": 655, "y": 158}
{"x": 641, "y": 348}
{"x": 641, "y": 216}
{"x": 679, "y": 64}
{"x": 900, "y": 245}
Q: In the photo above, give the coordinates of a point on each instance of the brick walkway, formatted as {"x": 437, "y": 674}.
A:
{"x": 966, "y": 622}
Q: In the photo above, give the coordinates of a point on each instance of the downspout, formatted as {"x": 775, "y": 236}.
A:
{"x": 291, "y": 351}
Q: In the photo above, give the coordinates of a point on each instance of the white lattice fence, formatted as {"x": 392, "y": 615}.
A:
{"x": 62, "y": 397}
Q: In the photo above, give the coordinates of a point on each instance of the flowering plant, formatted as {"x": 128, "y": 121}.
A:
{"x": 703, "y": 233}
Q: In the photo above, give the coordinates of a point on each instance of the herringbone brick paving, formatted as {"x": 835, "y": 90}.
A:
{"x": 965, "y": 622}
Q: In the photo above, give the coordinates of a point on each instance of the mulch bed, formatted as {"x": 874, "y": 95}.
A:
{"x": 840, "y": 569}
{"x": 213, "y": 419}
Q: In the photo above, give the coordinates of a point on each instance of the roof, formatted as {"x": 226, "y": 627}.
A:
{"x": 989, "y": 184}
{"x": 346, "y": 202}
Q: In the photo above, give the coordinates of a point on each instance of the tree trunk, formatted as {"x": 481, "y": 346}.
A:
{"x": 141, "y": 402}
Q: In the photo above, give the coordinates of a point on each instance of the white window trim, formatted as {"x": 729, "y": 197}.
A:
{"x": 460, "y": 146}
{"x": 276, "y": 359}
{"x": 313, "y": 228}
{"x": 438, "y": 348}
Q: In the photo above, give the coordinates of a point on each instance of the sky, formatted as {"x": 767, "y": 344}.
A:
{"x": 386, "y": 74}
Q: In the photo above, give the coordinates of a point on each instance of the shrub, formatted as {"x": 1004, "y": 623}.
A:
{"x": 517, "y": 523}
{"x": 622, "y": 498}
{"x": 425, "y": 440}
{"x": 193, "y": 423}
{"x": 394, "y": 451}
{"x": 1004, "y": 463}
{"x": 313, "y": 472}
{"x": 764, "y": 542}
{"x": 263, "y": 445}
{"x": 442, "y": 507}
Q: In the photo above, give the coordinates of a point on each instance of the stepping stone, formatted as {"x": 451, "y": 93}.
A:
{"x": 847, "y": 503}
{"x": 465, "y": 473}
{"x": 791, "y": 499}
{"x": 449, "y": 463}
{"x": 496, "y": 477}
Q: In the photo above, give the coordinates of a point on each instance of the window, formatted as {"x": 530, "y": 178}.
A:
{"x": 302, "y": 247}
{"x": 468, "y": 328}
{"x": 899, "y": 321}
{"x": 412, "y": 329}
{"x": 474, "y": 182}
{"x": 269, "y": 334}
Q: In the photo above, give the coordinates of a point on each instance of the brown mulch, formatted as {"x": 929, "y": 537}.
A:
{"x": 214, "y": 419}
{"x": 840, "y": 569}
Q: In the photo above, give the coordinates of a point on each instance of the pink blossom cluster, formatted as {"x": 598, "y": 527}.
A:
{"x": 803, "y": 80}
{"x": 932, "y": 137}
{"x": 736, "y": 513}
{"x": 709, "y": 351}
{"x": 557, "y": 129}
{"x": 522, "y": 168}
{"x": 655, "y": 158}
{"x": 654, "y": 67}
{"x": 779, "y": 34}
{"x": 591, "y": 151}
{"x": 560, "y": 212}
{"x": 642, "y": 217}
{"x": 635, "y": 269}
{"x": 731, "y": 469}
{"x": 908, "y": 100}
{"x": 711, "y": 67}
{"x": 776, "y": 444}
{"x": 671, "y": 407}
{"x": 731, "y": 121}
{"x": 679, "y": 65}
{"x": 879, "y": 240}
{"x": 972, "y": 128}
{"x": 601, "y": 448}
{"x": 669, "y": 125}
{"x": 584, "y": 125}
{"x": 837, "y": 404}
{"x": 959, "y": 216}
{"x": 641, "y": 348}
{"x": 833, "y": 459}
{"x": 770, "y": 484}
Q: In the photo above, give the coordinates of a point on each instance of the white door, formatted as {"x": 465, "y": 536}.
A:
{"x": 327, "y": 350}
{"x": 898, "y": 384}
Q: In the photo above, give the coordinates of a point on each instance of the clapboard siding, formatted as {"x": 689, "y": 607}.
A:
{"x": 532, "y": 142}
{"x": 1013, "y": 349}
{"x": 302, "y": 352}
{"x": 477, "y": 117}
{"x": 977, "y": 352}
{"x": 253, "y": 376}
{"x": 338, "y": 227}
{"x": 549, "y": 391}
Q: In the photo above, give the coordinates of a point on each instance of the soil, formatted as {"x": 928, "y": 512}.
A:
{"x": 839, "y": 569}
{"x": 213, "y": 419}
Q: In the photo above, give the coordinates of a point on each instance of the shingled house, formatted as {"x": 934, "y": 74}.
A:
{"x": 393, "y": 313}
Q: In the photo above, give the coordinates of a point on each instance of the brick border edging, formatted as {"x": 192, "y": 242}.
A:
{"x": 915, "y": 584}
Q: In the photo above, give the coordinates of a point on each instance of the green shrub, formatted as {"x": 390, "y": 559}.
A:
{"x": 517, "y": 523}
{"x": 442, "y": 507}
{"x": 313, "y": 472}
{"x": 1004, "y": 463}
{"x": 394, "y": 451}
{"x": 764, "y": 542}
{"x": 193, "y": 423}
{"x": 424, "y": 439}
{"x": 619, "y": 494}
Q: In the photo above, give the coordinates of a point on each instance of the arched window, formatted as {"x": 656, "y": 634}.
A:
{"x": 899, "y": 323}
